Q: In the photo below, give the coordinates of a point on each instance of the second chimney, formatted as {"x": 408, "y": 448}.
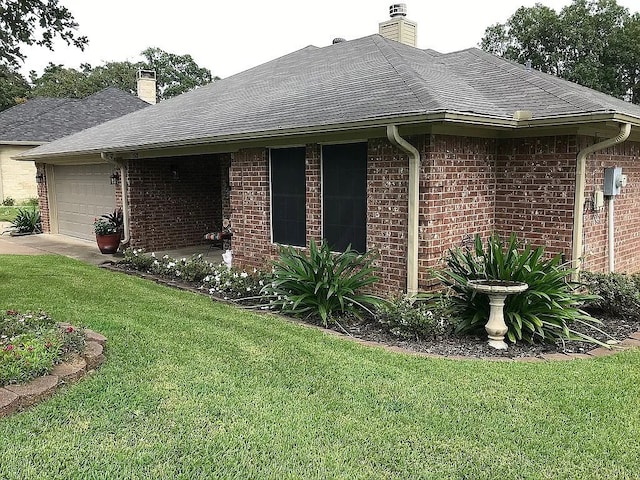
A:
{"x": 146, "y": 86}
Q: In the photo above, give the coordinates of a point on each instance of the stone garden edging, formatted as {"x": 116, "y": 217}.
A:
{"x": 15, "y": 398}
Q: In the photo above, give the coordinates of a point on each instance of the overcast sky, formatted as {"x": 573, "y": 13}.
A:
{"x": 228, "y": 37}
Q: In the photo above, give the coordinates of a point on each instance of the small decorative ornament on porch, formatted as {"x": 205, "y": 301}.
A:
{"x": 108, "y": 230}
{"x": 497, "y": 290}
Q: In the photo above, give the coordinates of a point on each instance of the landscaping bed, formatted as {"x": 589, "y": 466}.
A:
{"x": 242, "y": 288}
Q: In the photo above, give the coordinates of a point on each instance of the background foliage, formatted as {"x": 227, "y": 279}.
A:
{"x": 595, "y": 43}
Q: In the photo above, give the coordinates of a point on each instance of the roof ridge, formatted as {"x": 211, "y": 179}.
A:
{"x": 415, "y": 79}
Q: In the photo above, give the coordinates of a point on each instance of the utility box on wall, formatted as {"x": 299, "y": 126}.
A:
{"x": 613, "y": 181}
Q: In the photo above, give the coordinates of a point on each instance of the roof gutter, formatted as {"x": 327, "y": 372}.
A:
{"x": 123, "y": 185}
{"x": 578, "y": 204}
{"x": 414, "y": 197}
{"x": 378, "y": 122}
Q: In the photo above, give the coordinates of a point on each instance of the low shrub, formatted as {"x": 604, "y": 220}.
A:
{"x": 27, "y": 221}
{"x": 219, "y": 280}
{"x": 423, "y": 317}
{"x": 546, "y": 311}
{"x": 617, "y": 294}
{"x": 8, "y": 202}
{"x": 31, "y": 202}
{"x": 323, "y": 283}
{"x": 31, "y": 344}
{"x": 231, "y": 283}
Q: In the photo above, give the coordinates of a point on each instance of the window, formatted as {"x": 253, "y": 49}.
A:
{"x": 344, "y": 196}
{"x": 288, "y": 191}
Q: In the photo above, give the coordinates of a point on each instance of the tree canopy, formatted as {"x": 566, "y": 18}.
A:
{"x": 595, "y": 43}
{"x": 175, "y": 74}
{"x": 14, "y": 88}
{"x": 34, "y": 22}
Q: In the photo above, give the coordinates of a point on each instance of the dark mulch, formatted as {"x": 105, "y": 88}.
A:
{"x": 615, "y": 329}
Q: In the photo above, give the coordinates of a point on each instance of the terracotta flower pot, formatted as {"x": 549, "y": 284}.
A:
{"x": 108, "y": 243}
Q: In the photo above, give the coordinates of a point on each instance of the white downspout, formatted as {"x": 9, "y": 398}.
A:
{"x": 578, "y": 204}
{"x": 125, "y": 201}
{"x": 414, "y": 201}
{"x": 611, "y": 237}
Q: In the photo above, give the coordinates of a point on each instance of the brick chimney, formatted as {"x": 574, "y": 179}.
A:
{"x": 399, "y": 28}
{"x": 146, "y": 86}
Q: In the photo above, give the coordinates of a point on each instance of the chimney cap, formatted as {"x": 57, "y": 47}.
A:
{"x": 398, "y": 10}
{"x": 337, "y": 40}
{"x": 146, "y": 74}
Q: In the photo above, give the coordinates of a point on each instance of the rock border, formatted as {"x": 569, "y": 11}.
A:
{"x": 15, "y": 398}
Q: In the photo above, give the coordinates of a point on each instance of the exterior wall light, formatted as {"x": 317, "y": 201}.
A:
{"x": 115, "y": 178}
{"x": 39, "y": 177}
{"x": 174, "y": 172}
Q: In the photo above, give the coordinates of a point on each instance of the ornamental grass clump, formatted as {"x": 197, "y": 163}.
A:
{"x": 549, "y": 310}
{"x": 322, "y": 284}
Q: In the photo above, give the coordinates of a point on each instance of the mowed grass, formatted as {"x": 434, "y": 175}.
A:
{"x": 196, "y": 389}
{"x": 8, "y": 213}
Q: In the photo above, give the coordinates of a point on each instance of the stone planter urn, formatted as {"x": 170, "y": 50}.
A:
{"x": 497, "y": 290}
{"x": 109, "y": 243}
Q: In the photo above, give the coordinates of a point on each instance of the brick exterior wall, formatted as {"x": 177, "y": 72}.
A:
{"x": 250, "y": 208}
{"x": 467, "y": 186}
{"x": 457, "y": 197}
{"x": 167, "y": 212}
{"x": 626, "y": 209}
{"x": 43, "y": 202}
{"x": 387, "y": 211}
{"x": 535, "y": 188}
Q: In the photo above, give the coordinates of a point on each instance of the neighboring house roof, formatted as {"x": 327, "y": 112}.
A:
{"x": 41, "y": 120}
{"x": 362, "y": 82}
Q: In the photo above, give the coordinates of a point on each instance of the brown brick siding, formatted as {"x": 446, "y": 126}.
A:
{"x": 387, "y": 212}
{"x": 535, "y": 180}
{"x": 170, "y": 213}
{"x": 457, "y": 197}
{"x": 626, "y": 210}
{"x": 250, "y": 208}
{"x": 43, "y": 202}
{"x": 467, "y": 186}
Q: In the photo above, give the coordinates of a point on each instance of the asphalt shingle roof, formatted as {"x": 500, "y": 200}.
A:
{"x": 46, "y": 119}
{"x": 363, "y": 80}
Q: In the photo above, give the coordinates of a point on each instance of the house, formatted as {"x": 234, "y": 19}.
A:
{"x": 41, "y": 120}
{"x": 377, "y": 144}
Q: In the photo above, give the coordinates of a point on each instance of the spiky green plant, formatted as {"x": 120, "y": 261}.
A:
{"x": 27, "y": 221}
{"x": 547, "y": 311}
{"x": 322, "y": 283}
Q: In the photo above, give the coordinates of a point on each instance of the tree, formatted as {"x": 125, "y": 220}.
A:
{"x": 14, "y": 88}
{"x": 34, "y": 22}
{"x": 175, "y": 74}
{"x": 595, "y": 43}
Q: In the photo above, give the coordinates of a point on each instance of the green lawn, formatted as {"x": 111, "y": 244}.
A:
{"x": 196, "y": 389}
{"x": 8, "y": 214}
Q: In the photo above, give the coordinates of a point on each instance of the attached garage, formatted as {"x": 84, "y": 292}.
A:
{"x": 81, "y": 193}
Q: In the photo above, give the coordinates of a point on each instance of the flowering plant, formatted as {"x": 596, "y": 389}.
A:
{"x": 109, "y": 224}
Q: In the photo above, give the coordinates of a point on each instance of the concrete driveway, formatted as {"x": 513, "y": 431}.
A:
{"x": 83, "y": 250}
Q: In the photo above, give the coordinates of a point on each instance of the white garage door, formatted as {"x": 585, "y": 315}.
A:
{"x": 83, "y": 192}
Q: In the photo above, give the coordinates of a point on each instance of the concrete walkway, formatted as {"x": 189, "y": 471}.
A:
{"x": 83, "y": 250}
